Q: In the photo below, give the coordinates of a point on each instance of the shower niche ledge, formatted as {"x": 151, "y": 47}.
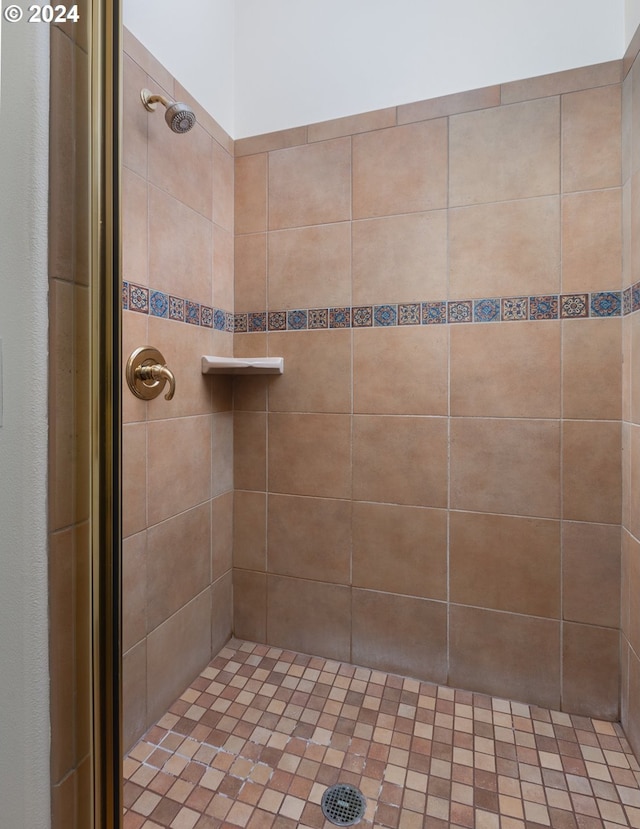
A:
{"x": 242, "y": 365}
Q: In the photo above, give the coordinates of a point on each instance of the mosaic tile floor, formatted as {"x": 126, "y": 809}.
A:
{"x": 261, "y": 733}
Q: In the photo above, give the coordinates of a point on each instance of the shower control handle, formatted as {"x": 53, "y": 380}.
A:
{"x": 158, "y": 373}
{"x": 147, "y": 374}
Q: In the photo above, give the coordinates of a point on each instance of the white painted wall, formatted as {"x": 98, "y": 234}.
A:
{"x": 263, "y": 65}
{"x": 632, "y": 19}
{"x": 300, "y": 62}
{"x": 24, "y": 668}
{"x": 194, "y": 40}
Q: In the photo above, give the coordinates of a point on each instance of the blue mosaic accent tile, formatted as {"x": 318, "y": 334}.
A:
{"x": 138, "y": 299}
{"x": 385, "y": 315}
{"x": 486, "y": 310}
{"x": 240, "y": 323}
{"x": 635, "y": 297}
{"x": 318, "y": 318}
{"x": 362, "y": 316}
{"x": 277, "y": 321}
{"x": 125, "y": 296}
{"x": 460, "y": 311}
{"x": 176, "y": 308}
{"x": 434, "y": 313}
{"x": 515, "y": 308}
{"x": 409, "y": 314}
{"x": 257, "y": 321}
{"x": 339, "y": 317}
{"x": 229, "y": 323}
{"x": 206, "y": 316}
{"x": 543, "y": 307}
{"x": 627, "y": 301}
{"x": 574, "y": 305}
{"x": 191, "y": 312}
{"x": 219, "y": 319}
{"x": 158, "y": 304}
{"x": 606, "y": 304}
{"x": 296, "y": 320}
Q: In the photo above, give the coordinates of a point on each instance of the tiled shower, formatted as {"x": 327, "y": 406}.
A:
{"x": 444, "y": 482}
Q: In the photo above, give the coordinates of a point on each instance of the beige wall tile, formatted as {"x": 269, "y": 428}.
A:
{"x": 179, "y": 462}
{"x": 181, "y": 164}
{"x": 223, "y": 209}
{"x": 223, "y": 268}
{"x": 516, "y": 657}
{"x": 631, "y": 591}
{"x": 135, "y": 333}
{"x": 591, "y": 349}
{"x": 184, "y": 642}
{"x": 310, "y": 454}
{"x": 222, "y": 460}
{"x": 385, "y": 454}
{"x": 249, "y": 456}
{"x": 310, "y": 267}
{"x": 62, "y": 656}
{"x": 633, "y": 186}
{"x": 590, "y": 670}
{"x": 249, "y": 530}
{"x": 591, "y": 241}
{"x": 180, "y": 248}
{"x": 633, "y": 360}
{"x": 310, "y": 184}
{"x": 400, "y": 258}
{"x": 134, "y": 694}
{"x": 506, "y": 249}
{"x": 221, "y": 535}
{"x": 251, "y": 194}
{"x": 488, "y": 96}
{"x": 492, "y": 468}
{"x": 400, "y": 634}
{"x": 508, "y": 152}
{"x": 134, "y": 590}
{"x": 505, "y": 563}
{"x": 178, "y": 562}
{"x": 221, "y": 612}
{"x": 134, "y": 478}
{"x": 401, "y": 370}
{"x": 591, "y": 573}
{"x": 250, "y": 274}
{"x": 250, "y": 605}
{"x": 135, "y": 118}
{"x": 591, "y": 146}
{"x": 317, "y": 376}
{"x": 400, "y": 549}
{"x": 506, "y": 370}
{"x": 271, "y": 141}
{"x": 309, "y": 538}
{"x": 570, "y": 80}
{"x": 591, "y": 489}
{"x": 352, "y": 124}
{"x": 309, "y": 616}
{"x": 400, "y": 170}
{"x": 631, "y": 699}
{"x": 135, "y": 250}
{"x": 182, "y": 347}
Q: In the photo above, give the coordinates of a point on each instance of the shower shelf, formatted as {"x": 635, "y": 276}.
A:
{"x": 242, "y": 365}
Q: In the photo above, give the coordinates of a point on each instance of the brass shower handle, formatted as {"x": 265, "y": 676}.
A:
{"x": 147, "y": 374}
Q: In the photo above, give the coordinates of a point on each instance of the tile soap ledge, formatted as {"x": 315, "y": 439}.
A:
{"x": 242, "y": 365}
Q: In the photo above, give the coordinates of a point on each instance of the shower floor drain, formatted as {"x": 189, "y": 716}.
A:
{"x": 343, "y": 805}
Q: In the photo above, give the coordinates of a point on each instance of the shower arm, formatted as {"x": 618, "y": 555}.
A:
{"x": 151, "y": 101}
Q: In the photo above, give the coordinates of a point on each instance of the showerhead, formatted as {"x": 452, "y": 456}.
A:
{"x": 180, "y": 117}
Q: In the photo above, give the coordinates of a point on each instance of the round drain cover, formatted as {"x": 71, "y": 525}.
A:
{"x": 343, "y": 805}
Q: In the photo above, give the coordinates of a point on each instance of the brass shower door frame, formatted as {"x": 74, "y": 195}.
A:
{"x": 106, "y": 419}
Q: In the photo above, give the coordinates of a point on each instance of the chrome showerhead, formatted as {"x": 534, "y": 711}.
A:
{"x": 180, "y": 117}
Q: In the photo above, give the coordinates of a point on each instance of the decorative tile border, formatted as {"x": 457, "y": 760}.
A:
{"x": 158, "y": 304}
{"x": 491, "y": 309}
